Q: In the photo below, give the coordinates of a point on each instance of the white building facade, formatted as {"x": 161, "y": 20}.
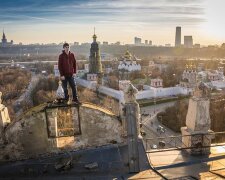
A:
{"x": 157, "y": 83}
{"x": 189, "y": 77}
{"x": 128, "y": 63}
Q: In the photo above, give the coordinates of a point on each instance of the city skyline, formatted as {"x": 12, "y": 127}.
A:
{"x": 56, "y": 21}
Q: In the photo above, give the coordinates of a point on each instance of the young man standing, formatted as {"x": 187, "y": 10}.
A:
{"x": 67, "y": 70}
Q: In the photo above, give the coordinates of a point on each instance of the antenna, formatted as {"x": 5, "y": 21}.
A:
{"x": 94, "y": 30}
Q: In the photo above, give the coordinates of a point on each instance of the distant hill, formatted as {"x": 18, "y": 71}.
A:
{"x": 116, "y": 50}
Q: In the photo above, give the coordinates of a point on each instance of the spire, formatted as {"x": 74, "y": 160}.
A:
{"x": 94, "y": 36}
{"x": 3, "y": 36}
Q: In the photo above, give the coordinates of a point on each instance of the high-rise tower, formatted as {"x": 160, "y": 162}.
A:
{"x": 178, "y": 37}
{"x": 4, "y": 40}
{"x": 188, "y": 41}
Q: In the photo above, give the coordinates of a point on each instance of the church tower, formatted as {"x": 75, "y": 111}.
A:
{"x": 95, "y": 65}
{"x": 94, "y": 58}
{"x": 4, "y": 40}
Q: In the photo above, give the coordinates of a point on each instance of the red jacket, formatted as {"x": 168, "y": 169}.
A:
{"x": 67, "y": 64}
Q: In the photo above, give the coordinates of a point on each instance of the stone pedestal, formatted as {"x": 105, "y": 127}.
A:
{"x": 196, "y": 134}
{"x": 123, "y": 118}
{"x": 52, "y": 126}
{"x": 198, "y": 118}
{"x": 195, "y": 140}
{"x": 130, "y": 99}
{"x": 132, "y": 122}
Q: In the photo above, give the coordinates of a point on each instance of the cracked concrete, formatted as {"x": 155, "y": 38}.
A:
{"x": 31, "y": 135}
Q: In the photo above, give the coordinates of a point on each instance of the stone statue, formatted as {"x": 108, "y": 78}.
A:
{"x": 202, "y": 90}
{"x": 205, "y": 89}
{"x": 130, "y": 93}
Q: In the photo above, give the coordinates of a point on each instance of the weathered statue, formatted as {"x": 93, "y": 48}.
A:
{"x": 204, "y": 89}
{"x": 130, "y": 94}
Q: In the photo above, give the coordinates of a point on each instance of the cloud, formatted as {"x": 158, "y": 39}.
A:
{"x": 93, "y": 11}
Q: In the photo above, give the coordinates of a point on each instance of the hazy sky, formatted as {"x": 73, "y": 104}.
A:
{"x": 46, "y": 21}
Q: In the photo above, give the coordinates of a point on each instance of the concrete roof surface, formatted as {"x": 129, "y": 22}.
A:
{"x": 111, "y": 161}
{"x": 176, "y": 164}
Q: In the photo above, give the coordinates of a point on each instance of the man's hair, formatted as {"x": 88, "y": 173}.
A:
{"x": 65, "y": 44}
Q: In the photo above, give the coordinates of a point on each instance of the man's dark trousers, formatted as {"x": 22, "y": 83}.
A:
{"x": 73, "y": 86}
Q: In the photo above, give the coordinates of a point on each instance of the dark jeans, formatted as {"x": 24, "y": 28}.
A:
{"x": 73, "y": 86}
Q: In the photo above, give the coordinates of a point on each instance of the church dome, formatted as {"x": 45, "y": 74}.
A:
{"x": 94, "y": 36}
{"x": 127, "y": 55}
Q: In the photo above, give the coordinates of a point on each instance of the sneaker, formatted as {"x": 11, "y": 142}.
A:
{"x": 76, "y": 101}
{"x": 60, "y": 101}
{"x": 65, "y": 101}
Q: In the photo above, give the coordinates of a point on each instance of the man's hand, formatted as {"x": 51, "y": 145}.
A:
{"x": 74, "y": 75}
{"x": 62, "y": 77}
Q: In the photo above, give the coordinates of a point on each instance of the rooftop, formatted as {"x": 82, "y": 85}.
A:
{"x": 177, "y": 163}
{"x": 110, "y": 162}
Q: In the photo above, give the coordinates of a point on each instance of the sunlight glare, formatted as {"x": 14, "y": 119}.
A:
{"x": 214, "y": 24}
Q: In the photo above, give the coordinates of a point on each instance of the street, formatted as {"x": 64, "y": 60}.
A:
{"x": 150, "y": 125}
{"x": 26, "y": 96}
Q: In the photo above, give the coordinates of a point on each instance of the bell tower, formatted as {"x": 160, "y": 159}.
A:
{"x": 95, "y": 65}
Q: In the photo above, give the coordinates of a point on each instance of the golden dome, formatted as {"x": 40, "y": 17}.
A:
{"x": 127, "y": 55}
{"x": 94, "y": 36}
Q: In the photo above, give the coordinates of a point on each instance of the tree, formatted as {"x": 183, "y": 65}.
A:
{"x": 175, "y": 117}
{"x": 155, "y": 73}
{"x": 137, "y": 75}
{"x": 113, "y": 82}
{"x": 13, "y": 83}
{"x": 223, "y": 46}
